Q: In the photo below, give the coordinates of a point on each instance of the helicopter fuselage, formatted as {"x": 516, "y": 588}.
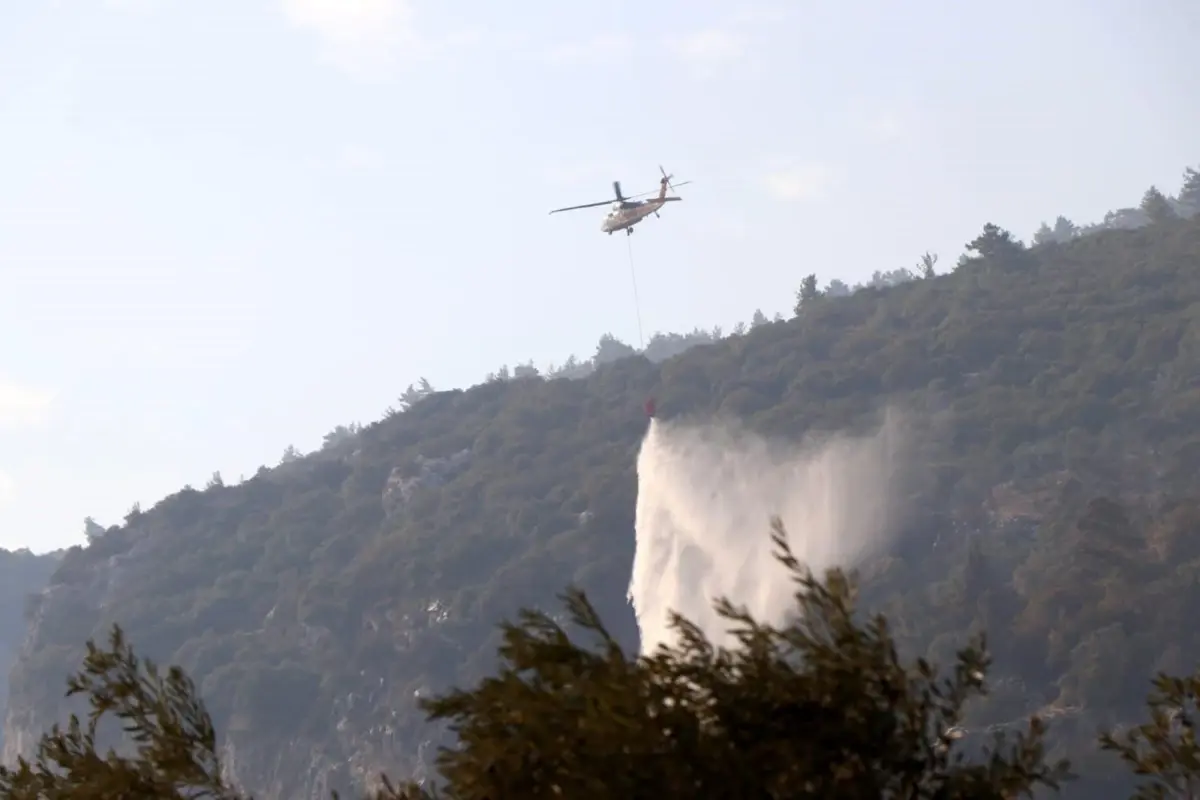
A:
{"x": 625, "y": 214}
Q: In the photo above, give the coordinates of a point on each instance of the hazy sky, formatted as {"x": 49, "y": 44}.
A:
{"x": 228, "y": 226}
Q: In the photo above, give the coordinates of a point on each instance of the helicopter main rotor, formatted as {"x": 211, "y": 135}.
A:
{"x": 632, "y": 200}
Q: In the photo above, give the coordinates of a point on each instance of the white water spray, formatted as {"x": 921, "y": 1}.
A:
{"x": 706, "y": 494}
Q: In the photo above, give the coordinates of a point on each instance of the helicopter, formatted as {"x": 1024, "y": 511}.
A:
{"x": 629, "y": 211}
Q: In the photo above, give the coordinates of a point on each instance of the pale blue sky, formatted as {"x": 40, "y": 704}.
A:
{"x": 228, "y": 226}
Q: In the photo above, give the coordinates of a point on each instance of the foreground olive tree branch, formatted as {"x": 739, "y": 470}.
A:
{"x": 820, "y": 707}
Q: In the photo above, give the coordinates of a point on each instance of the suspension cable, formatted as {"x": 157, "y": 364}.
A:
{"x": 637, "y": 304}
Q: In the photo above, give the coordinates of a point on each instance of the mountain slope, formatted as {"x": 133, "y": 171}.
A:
{"x": 21, "y": 574}
{"x": 316, "y": 601}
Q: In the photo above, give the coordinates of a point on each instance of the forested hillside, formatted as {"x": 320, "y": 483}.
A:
{"x": 1154, "y": 206}
{"x": 21, "y": 573}
{"x": 315, "y": 602}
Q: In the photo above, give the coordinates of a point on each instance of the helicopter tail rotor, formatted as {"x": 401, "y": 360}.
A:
{"x": 666, "y": 181}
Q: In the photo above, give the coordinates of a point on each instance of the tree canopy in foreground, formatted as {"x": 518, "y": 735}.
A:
{"x": 822, "y": 706}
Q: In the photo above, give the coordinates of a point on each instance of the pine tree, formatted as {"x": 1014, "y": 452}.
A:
{"x": 1157, "y": 206}
{"x": 1189, "y": 193}
{"x": 927, "y": 264}
{"x": 995, "y": 247}
{"x": 1064, "y": 229}
{"x": 1043, "y": 235}
{"x": 808, "y": 292}
{"x": 92, "y": 530}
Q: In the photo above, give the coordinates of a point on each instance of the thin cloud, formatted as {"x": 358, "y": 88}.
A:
{"x": 885, "y": 119}
{"x": 760, "y": 16}
{"x": 133, "y": 6}
{"x": 709, "y": 48}
{"x": 358, "y": 158}
{"x": 731, "y": 226}
{"x": 8, "y": 489}
{"x": 586, "y": 173}
{"x": 887, "y": 127}
{"x": 23, "y": 406}
{"x": 600, "y": 48}
{"x": 799, "y": 183}
{"x": 364, "y": 38}
{"x": 722, "y": 45}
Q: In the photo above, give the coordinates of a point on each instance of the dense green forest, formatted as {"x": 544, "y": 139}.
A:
{"x": 1053, "y": 392}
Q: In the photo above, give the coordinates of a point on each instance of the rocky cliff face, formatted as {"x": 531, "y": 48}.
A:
{"x": 348, "y": 740}
{"x": 342, "y": 755}
{"x": 316, "y": 603}
{"x": 21, "y": 573}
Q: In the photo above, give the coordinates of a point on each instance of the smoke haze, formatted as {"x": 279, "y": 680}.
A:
{"x": 706, "y": 494}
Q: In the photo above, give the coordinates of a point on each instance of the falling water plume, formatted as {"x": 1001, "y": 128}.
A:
{"x": 706, "y": 494}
